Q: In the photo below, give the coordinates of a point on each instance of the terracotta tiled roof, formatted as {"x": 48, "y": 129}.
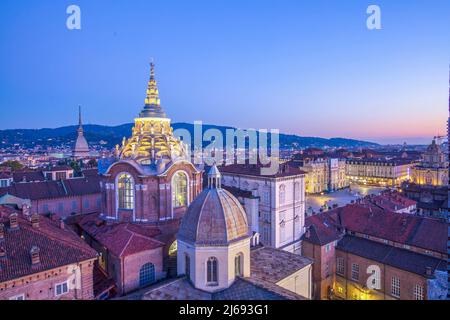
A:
{"x": 122, "y": 239}
{"x": 397, "y": 227}
{"x": 393, "y": 256}
{"x": 54, "y": 189}
{"x": 28, "y": 176}
{"x": 321, "y": 230}
{"x": 285, "y": 170}
{"x": 58, "y": 247}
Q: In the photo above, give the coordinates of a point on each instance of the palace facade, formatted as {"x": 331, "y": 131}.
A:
{"x": 433, "y": 170}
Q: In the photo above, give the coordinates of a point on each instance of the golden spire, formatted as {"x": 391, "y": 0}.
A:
{"x": 152, "y": 97}
{"x": 152, "y": 107}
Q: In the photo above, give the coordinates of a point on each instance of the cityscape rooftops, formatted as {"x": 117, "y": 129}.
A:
{"x": 396, "y": 257}
{"x": 56, "y": 246}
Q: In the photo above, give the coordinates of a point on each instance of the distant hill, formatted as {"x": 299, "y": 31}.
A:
{"x": 109, "y": 136}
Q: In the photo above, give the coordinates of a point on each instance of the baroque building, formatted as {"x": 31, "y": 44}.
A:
{"x": 433, "y": 170}
{"x": 220, "y": 259}
{"x": 145, "y": 192}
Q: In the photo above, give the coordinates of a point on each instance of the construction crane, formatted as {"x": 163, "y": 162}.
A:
{"x": 439, "y": 139}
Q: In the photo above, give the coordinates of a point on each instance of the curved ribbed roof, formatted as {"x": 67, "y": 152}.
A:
{"x": 214, "y": 218}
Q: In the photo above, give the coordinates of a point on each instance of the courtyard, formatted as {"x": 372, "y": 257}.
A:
{"x": 341, "y": 198}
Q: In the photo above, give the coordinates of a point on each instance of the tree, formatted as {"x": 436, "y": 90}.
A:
{"x": 13, "y": 164}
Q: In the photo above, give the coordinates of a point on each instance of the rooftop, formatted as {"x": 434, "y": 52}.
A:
{"x": 273, "y": 265}
{"x": 122, "y": 239}
{"x": 395, "y": 257}
{"x": 57, "y": 246}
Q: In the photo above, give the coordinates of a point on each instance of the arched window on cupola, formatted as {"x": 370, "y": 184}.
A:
{"x": 125, "y": 191}
{"x": 179, "y": 190}
{"x": 211, "y": 272}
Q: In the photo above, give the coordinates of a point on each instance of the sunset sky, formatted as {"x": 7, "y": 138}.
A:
{"x": 310, "y": 68}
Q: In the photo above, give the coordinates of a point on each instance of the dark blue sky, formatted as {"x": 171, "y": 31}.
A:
{"x": 305, "y": 67}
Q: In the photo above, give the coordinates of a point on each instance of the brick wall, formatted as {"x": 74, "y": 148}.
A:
{"x": 41, "y": 286}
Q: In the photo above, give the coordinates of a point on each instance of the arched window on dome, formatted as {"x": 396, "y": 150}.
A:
{"x": 211, "y": 272}
{"x": 282, "y": 194}
{"x": 179, "y": 190}
{"x": 238, "y": 265}
{"x": 125, "y": 191}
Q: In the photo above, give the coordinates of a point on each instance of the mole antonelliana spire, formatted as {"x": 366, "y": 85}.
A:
{"x": 81, "y": 149}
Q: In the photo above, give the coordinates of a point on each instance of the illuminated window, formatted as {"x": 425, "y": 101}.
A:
{"x": 340, "y": 266}
{"x": 125, "y": 189}
{"x": 282, "y": 194}
{"x": 179, "y": 190}
{"x": 211, "y": 271}
{"x": 355, "y": 272}
{"x": 395, "y": 287}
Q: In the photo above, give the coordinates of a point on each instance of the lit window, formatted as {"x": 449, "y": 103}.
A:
{"x": 179, "y": 190}
{"x": 340, "y": 266}
{"x": 355, "y": 272}
{"x": 125, "y": 189}
{"x": 395, "y": 287}
{"x": 61, "y": 288}
{"x": 418, "y": 292}
{"x": 211, "y": 271}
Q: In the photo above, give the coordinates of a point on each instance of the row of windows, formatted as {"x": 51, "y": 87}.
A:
{"x": 73, "y": 206}
{"x": 126, "y": 194}
{"x": 282, "y": 193}
{"x": 212, "y": 268}
{"x": 418, "y": 291}
{"x": 60, "y": 289}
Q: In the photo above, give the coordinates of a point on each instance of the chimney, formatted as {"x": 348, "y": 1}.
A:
{"x": 35, "y": 258}
{"x": 25, "y": 210}
{"x": 13, "y": 222}
{"x": 2, "y": 231}
{"x": 62, "y": 225}
{"x": 35, "y": 220}
{"x": 307, "y": 234}
{"x": 429, "y": 271}
{"x": 2, "y": 252}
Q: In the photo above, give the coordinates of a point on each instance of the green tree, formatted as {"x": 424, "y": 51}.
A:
{"x": 13, "y": 164}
